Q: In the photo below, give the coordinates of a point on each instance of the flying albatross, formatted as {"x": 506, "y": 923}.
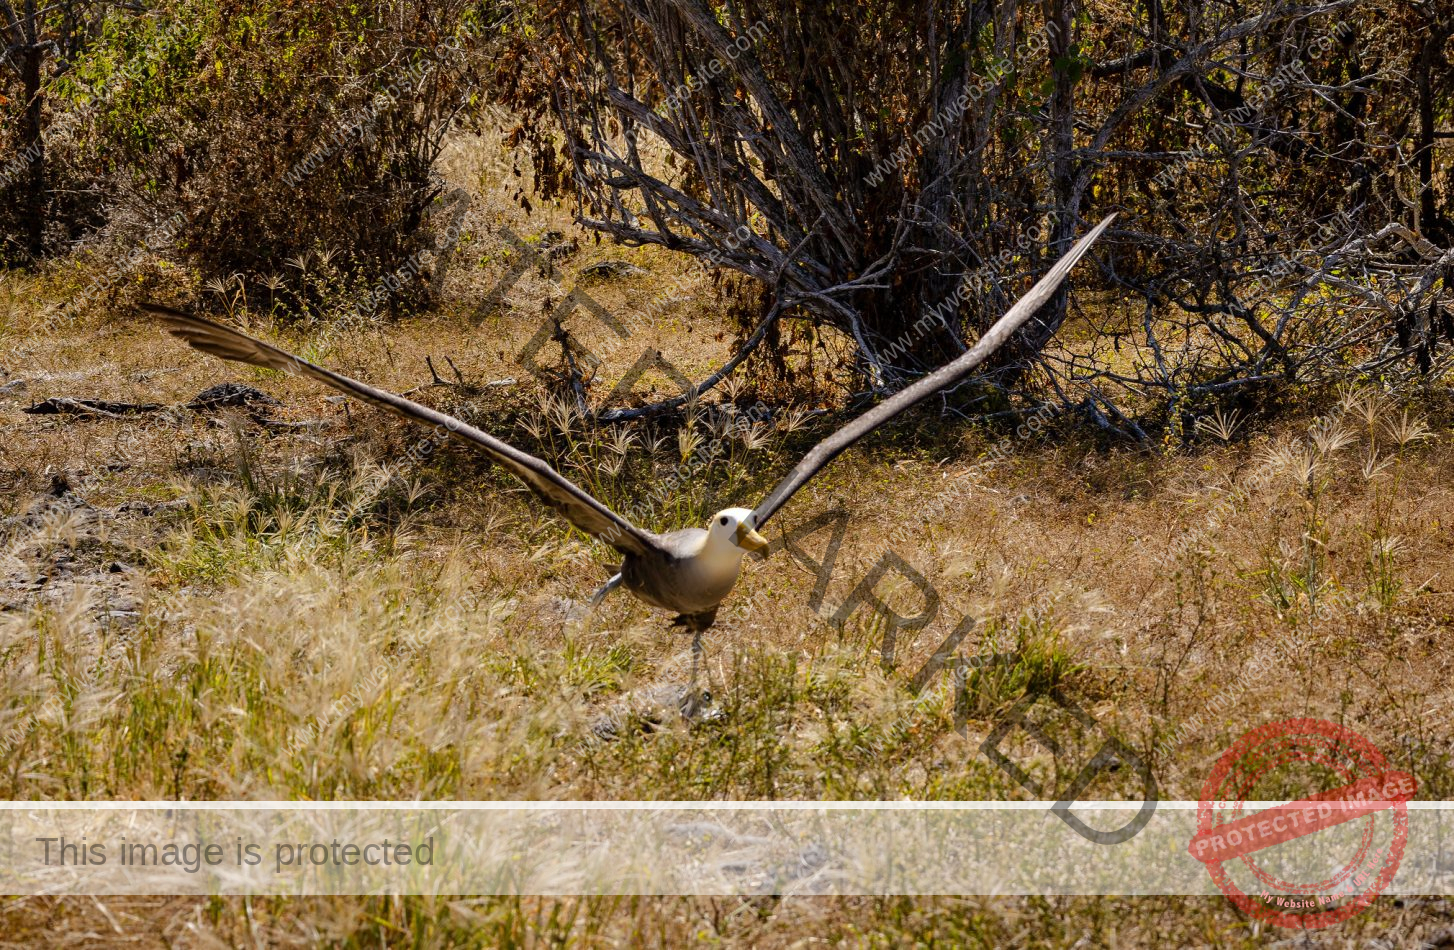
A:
{"x": 690, "y": 571}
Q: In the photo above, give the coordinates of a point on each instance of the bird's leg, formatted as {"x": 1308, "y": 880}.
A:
{"x": 605, "y": 589}
{"x": 696, "y": 699}
{"x": 696, "y": 657}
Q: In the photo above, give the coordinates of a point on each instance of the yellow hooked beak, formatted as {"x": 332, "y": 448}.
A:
{"x": 749, "y": 539}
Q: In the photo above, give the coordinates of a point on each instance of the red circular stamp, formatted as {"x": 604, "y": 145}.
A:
{"x": 1321, "y": 857}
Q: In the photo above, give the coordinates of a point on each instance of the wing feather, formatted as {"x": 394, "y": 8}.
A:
{"x": 562, "y": 495}
{"x": 947, "y": 375}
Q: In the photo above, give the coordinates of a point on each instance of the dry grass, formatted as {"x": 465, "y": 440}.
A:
{"x": 221, "y": 610}
{"x": 677, "y": 922}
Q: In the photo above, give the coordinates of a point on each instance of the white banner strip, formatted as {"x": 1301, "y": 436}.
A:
{"x": 711, "y": 848}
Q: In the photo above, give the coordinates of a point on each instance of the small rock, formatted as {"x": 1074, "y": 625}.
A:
{"x": 568, "y": 609}
{"x": 648, "y": 709}
{"x": 149, "y": 508}
{"x": 226, "y": 395}
{"x": 554, "y": 245}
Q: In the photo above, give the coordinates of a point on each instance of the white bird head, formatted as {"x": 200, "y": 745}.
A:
{"x": 735, "y": 527}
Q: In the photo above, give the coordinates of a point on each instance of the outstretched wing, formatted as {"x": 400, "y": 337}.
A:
{"x": 947, "y": 375}
{"x": 579, "y": 508}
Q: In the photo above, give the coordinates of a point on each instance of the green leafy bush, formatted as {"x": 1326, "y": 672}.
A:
{"x": 281, "y": 130}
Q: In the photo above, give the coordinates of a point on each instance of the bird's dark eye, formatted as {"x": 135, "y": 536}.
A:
{"x": 724, "y": 521}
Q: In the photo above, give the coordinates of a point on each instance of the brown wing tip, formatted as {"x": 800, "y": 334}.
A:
{"x": 209, "y": 337}
{"x": 177, "y": 323}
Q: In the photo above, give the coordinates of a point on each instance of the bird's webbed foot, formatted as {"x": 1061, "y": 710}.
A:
{"x": 695, "y": 623}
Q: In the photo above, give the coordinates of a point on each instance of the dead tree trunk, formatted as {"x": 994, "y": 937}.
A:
{"x": 1430, "y": 59}
{"x": 29, "y": 53}
{"x": 1060, "y": 157}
